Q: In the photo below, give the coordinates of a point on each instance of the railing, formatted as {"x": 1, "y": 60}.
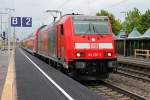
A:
{"x": 141, "y": 52}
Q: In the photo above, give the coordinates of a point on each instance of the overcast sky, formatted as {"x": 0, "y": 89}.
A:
{"x": 36, "y": 9}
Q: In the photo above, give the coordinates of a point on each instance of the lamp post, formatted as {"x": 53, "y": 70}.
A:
{"x": 1, "y": 13}
{"x": 10, "y": 10}
{"x": 2, "y": 19}
{"x": 125, "y": 13}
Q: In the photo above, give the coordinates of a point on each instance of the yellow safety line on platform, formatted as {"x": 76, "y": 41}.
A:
{"x": 9, "y": 90}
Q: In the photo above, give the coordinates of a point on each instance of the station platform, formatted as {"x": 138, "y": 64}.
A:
{"x": 140, "y": 62}
{"x": 3, "y": 68}
{"x": 36, "y": 80}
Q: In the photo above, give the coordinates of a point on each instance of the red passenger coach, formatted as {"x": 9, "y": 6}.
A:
{"x": 80, "y": 45}
{"x": 28, "y": 43}
{"x": 31, "y": 42}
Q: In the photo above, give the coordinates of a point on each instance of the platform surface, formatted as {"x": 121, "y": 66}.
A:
{"x": 33, "y": 85}
{"x": 3, "y": 68}
{"x": 132, "y": 60}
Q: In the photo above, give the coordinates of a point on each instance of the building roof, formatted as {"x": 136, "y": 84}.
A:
{"x": 134, "y": 34}
{"x": 146, "y": 34}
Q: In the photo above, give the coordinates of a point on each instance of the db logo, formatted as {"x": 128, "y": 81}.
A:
{"x": 94, "y": 45}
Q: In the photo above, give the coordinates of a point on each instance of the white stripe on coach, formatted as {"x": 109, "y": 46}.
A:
{"x": 49, "y": 78}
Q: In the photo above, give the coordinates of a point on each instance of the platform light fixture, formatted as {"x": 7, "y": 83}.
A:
{"x": 54, "y": 11}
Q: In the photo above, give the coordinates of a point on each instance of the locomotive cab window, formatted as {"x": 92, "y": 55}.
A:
{"x": 91, "y": 25}
{"x": 62, "y": 29}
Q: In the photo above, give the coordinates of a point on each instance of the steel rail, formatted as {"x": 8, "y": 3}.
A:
{"x": 98, "y": 88}
{"x": 134, "y": 71}
{"x": 141, "y": 63}
{"x": 123, "y": 91}
{"x": 134, "y": 76}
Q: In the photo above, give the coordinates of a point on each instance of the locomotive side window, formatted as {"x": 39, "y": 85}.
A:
{"x": 62, "y": 29}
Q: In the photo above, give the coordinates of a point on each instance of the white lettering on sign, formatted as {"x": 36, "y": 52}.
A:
{"x": 14, "y": 21}
{"x": 21, "y": 21}
{"x": 28, "y": 21}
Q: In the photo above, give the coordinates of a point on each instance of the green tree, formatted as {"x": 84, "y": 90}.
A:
{"x": 116, "y": 23}
{"x": 133, "y": 19}
{"x": 145, "y": 20}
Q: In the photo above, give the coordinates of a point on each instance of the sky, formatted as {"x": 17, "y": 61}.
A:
{"x": 36, "y": 9}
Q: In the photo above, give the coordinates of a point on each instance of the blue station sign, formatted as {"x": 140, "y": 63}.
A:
{"x": 26, "y": 22}
{"x": 16, "y": 21}
{"x": 21, "y": 21}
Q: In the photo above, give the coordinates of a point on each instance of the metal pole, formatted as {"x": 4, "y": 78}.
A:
{"x": 60, "y": 13}
{"x": 1, "y": 33}
{"x": 14, "y": 39}
{"x": 125, "y": 14}
{"x": 3, "y": 42}
{"x": 125, "y": 32}
{"x": 9, "y": 27}
{"x": 9, "y": 31}
{"x": 1, "y": 24}
{"x": 124, "y": 47}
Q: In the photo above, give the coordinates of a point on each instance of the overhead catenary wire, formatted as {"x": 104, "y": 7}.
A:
{"x": 115, "y": 4}
{"x": 89, "y": 5}
{"x": 110, "y": 6}
{"x": 63, "y": 4}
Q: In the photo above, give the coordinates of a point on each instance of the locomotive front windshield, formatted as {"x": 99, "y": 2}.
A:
{"x": 90, "y": 25}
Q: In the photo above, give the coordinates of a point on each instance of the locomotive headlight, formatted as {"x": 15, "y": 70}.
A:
{"x": 93, "y": 39}
{"x": 109, "y": 54}
{"x": 78, "y": 54}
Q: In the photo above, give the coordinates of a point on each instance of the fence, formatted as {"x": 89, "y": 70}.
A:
{"x": 141, "y": 52}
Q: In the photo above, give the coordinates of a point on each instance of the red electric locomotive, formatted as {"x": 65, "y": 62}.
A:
{"x": 80, "y": 45}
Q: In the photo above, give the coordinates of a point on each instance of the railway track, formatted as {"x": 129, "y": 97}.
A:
{"x": 140, "y": 75}
{"x": 112, "y": 92}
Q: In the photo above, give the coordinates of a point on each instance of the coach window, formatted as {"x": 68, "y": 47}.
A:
{"x": 62, "y": 29}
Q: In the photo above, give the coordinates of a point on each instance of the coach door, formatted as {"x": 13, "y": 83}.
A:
{"x": 60, "y": 32}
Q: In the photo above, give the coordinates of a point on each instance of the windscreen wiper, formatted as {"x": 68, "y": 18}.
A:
{"x": 95, "y": 30}
{"x": 89, "y": 29}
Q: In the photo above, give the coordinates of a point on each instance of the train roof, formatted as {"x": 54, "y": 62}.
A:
{"x": 79, "y": 16}
{"x": 82, "y": 15}
{"x": 86, "y": 16}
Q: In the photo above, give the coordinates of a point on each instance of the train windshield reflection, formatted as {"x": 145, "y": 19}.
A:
{"x": 91, "y": 26}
